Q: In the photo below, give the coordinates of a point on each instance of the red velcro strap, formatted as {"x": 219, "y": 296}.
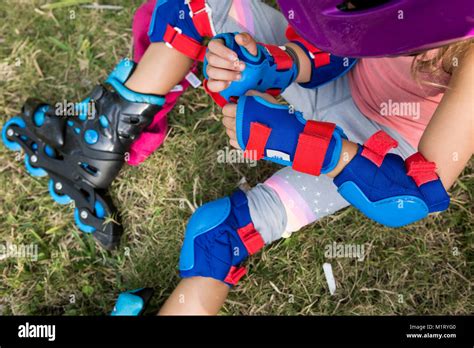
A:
{"x": 201, "y": 18}
{"x": 220, "y": 100}
{"x": 377, "y": 146}
{"x": 283, "y": 60}
{"x": 184, "y": 44}
{"x": 234, "y": 275}
{"x": 252, "y": 240}
{"x": 312, "y": 146}
{"x": 258, "y": 138}
{"x": 420, "y": 169}
{"x": 320, "y": 58}
{"x": 275, "y": 92}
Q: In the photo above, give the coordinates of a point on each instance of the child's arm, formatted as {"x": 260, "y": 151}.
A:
{"x": 449, "y": 138}
{"x": 196, "y": 296}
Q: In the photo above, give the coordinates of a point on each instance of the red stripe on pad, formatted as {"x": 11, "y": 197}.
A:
{"x": 312, "y": 146}
{"x": 258, "y": 138}
{"x": 420, "y": 169}
{"x": 283, "y": 60}
{"x": 234, "y": 275}
{"x": 252, "y": 240}
{"x": 200, "y": 14}
{"x": 377, "y": 146}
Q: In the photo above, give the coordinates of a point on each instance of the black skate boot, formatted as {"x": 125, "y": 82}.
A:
{"x": 83, "y": 150}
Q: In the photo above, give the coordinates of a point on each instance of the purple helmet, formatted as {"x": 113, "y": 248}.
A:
{"x": 370, "y": 28}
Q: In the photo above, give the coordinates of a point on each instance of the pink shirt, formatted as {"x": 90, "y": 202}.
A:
{"x": 385, "y": 91}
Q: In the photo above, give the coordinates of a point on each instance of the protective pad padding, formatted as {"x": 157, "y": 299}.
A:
{"x": 392, "y": 212}
{"x": 204, "y": 219}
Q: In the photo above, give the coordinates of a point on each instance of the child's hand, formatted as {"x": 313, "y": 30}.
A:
{"x": 223, "y": 64}
{"x": 230, "y": 111}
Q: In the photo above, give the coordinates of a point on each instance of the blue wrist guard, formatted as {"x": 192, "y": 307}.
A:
{"x": 271, "y": 70}
{"x": 273, "y": 132}
{"x": 220, "y": 235}
{"x": 389, "y": 190}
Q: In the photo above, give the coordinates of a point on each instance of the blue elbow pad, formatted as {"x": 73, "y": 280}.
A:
{"x": 388, "y": 189}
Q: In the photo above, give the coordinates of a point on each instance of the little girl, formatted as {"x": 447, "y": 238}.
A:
{"x": 423, "y": 100}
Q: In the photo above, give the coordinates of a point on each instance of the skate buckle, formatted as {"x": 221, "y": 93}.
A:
{"x": 179, "y": 31}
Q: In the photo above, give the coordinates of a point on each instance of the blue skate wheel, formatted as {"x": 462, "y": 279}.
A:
{"x": 12, "y": 145}
{"x": 100, "y": 213}
{"x": 60, "y": 199}
{"x": 34, "y": 171}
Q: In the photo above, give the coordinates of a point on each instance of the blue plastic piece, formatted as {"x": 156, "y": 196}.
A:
{"x": 49, "y": 151}
{"x": 395, "y": 211}
{"x": 60, "y": 199}
{"x": 99, "y": 212}
{"x": 128, "y": 304}
{"x": 205, "y": 218}
{"x": 387, "y": 194}
{"x": 38, "y": 117}
{"x": 12, "y": 145}
{"x": 77, "y": 130}
{"x": 91, "y": 136}
{"x": 260, "y": 71}
{"x": 286, "y": 127}
{"x": 34, "y": 171}
{"x": 117, "y": 79}
{"x": 70, "y": 123}
{"x": 104, "y": 122}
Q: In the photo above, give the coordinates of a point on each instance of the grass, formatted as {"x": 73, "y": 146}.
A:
{"x": 425, "y": 268}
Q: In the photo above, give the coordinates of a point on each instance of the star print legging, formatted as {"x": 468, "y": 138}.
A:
{"x": 290, "y": 200}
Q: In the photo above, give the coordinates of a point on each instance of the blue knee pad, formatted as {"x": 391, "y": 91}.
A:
{"x": 381, "y": 187}
{"x": 288, "y": 141}
{"x": 220, "y": 235}
{"x": 261, "y": 72}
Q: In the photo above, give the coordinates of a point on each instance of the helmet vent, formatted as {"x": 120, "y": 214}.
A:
{"x": 359, "y": 5}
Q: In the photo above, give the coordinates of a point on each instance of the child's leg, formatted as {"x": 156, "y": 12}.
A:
{"x": 159, "y": 70}
{"x": 196, "y": 296}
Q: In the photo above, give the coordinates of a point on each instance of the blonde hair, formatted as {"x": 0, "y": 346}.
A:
{"x": 444, "y": 61}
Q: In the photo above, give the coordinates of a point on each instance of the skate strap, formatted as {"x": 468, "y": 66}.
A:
{"x": 201, "y": 14}
{"x": 312, "y": 146}
{"x": 235, "y": 274}
{"x": 258, "y": 137}
{"x": 320, "y": 58}
{"x": 282, "y": 59}
{"x": 377, "y": 146}
{"x": 420, "y": 170}
{"x": 174, "y": 38}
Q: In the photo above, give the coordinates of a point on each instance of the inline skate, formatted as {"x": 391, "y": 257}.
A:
{"x": 83, "y": 151}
